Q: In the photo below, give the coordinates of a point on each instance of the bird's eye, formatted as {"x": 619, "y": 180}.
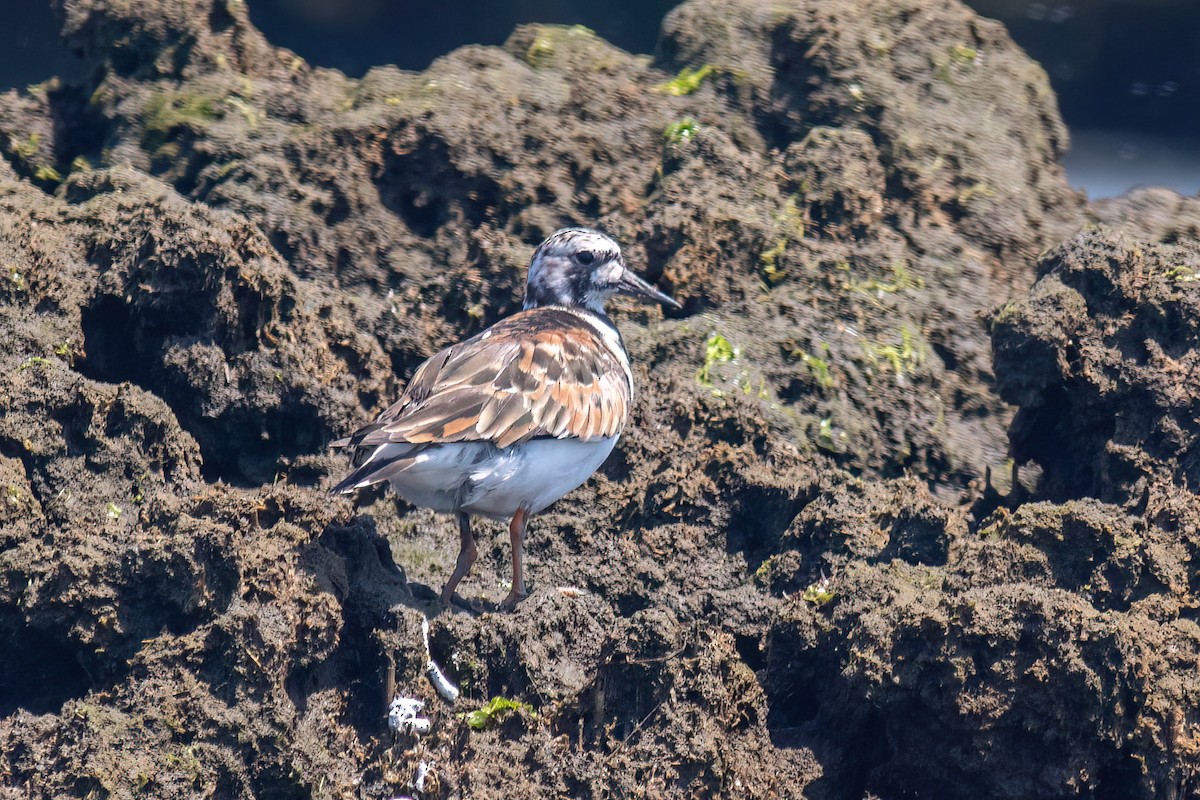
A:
{"x": 585, "y": 257}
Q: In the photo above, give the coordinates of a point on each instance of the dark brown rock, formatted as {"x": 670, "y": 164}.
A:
{"x": 1101, "y": 358}
{"x": 764, "y": 592}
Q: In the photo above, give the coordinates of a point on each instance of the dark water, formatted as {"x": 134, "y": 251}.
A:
{"x": 1127, "y": 72}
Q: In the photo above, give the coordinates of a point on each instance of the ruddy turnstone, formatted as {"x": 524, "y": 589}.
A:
{"x": 507, "y": 422}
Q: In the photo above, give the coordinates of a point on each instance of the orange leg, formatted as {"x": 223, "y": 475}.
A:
{"x": 516, "y": 537}
{"x": 466, "y": 557}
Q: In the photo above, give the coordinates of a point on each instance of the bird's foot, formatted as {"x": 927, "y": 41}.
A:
{"x": 452, "y": 601}
{"x": 510, "y": 602}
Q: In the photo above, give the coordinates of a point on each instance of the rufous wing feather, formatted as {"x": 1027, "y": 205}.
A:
{"x": 542, "y": 372}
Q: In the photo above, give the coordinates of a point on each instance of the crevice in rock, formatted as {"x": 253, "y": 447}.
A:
{"x": 758, "y": 519}
{"x": 38, "y": 672}
{"x": 109, "y": 343}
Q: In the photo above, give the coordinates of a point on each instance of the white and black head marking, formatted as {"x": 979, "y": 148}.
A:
{"x": 582, "y": 267}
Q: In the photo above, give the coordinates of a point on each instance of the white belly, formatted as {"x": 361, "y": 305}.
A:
{"x": 480, "y": 478}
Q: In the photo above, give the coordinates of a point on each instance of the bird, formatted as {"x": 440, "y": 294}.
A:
{"x": 505, "y": 423}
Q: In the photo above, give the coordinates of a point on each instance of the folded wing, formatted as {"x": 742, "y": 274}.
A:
{"x": 536, "y": 374}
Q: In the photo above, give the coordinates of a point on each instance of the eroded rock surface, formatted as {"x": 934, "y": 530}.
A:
{"x": 789, "y": 580}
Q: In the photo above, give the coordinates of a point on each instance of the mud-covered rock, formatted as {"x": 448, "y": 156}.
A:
{"x": 846, "y": 190}
{"x": 1101, "y": 359}
{"x": 29, "y": 136}
{"x": 913, "y": 677}
{"x": 1151, "y": 214}
{"x": 196, "y": 306}
{"x": 838, "y": 173}
{"x": 214, "y": 259}
{"x": 910, "y": 79}
{"x": 142, "y": 39}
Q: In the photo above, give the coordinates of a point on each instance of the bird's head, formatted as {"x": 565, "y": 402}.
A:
{"x": 582, "y": 267}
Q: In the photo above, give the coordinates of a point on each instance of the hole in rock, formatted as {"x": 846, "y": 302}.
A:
{"x": 110, "y": 350}
{"x": 37, "y": 672}
{"x": 241, "y": 446}
{"x": 758, "y": 519}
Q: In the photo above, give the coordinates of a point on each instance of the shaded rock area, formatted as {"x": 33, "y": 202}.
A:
{"x": 804, "y": 572}
{"x": 1101, "y": 356}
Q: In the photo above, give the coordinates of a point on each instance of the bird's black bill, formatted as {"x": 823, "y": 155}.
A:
{"x": 633, "y": 286}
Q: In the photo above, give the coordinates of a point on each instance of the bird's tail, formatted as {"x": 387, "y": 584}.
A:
{"x": 355, "y": 480}
{"x": 383, "y": 463}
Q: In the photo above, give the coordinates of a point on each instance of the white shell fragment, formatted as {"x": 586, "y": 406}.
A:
{"x": 422, "y": 774}
{"x": 404, "y": 716}
{"x": 438, "y": 678}
{"x": 440, "y": 682}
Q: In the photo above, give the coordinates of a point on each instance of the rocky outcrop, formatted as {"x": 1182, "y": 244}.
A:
{"x": 789, "y": 580}
{"x": 839, "y": 201}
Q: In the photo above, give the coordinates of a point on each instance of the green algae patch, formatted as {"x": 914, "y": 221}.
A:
{"x": 495, "y": 709}
{"x": 170, "y": 110}
{"x": 687, "y": 81}
{"x": 680, "y": 132}
{"x": 902, "y": 358}
{"x": 717, "y": 350}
